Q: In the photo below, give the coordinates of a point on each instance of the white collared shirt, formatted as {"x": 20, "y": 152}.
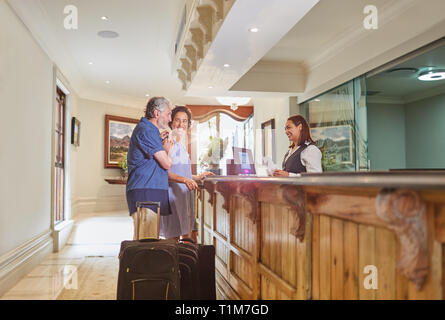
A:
{"x": 310, "y": 158}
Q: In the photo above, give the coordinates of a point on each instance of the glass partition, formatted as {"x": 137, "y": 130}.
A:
{"x": 361, "y": 124}
{"x": 338, "y": 125}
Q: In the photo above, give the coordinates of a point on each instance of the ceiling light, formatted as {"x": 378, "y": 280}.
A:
{"x": 403, "y": 71}
{"x": 254, "y": 30}
{"x": 317, "y": 100}
{"x": 226, "y": 65}
{"x": 147, "y": 95}
{"x": 108, "y": 34}
{"x": 105, "y": 18}
{"x": 107, "y": 82}
{"x": 210, "y": 87}
{"x": 433, "y": 75}
{"x": 233, "y": 102}
{"x": 90, "y": 63}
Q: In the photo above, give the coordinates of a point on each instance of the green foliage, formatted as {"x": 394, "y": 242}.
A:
{"x": 123, "y": 163}
{"x": 215, "y": 151}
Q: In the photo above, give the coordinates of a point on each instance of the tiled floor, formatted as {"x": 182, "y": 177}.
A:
{"x": 87, "y": 266}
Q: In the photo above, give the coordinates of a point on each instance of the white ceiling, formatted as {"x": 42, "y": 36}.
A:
{"x": 403, "y": 86}
{"x": 241, "y": 49}
{"x": 328, "y": 40}
{"x": 141, "y": 60}
{"x": 138, "y": 62}
{"x": 328, "y": 24}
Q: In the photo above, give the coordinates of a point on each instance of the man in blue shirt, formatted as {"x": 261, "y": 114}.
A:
{"x": 148, "y": 160}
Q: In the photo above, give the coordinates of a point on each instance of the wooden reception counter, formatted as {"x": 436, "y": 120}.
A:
{"x": 326, "y": 236}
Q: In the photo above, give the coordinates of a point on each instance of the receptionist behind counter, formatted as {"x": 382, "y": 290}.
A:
{"x": 303, "y": 155}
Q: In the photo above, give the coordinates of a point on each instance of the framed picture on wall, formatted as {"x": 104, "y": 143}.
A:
{"x": 118, "y": 132}
{"x": 336, "y": 146}
{"x": 75, "y": 132}
{"x": 268, "y": 139}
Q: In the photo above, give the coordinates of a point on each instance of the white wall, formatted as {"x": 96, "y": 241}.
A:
{"x": 26, "y": 102}
{"x": 386, "y": 136}
{"x": 264, "y": 110}
{"x": 91, "y": 192}
{"x": 425, "y": 132}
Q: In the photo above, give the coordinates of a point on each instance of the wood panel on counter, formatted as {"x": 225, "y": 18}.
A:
{"x": 277, "y": 241}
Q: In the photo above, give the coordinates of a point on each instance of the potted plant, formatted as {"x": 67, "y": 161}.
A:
{"x": 123, "y": 165}
{"x": 215, "y": 152}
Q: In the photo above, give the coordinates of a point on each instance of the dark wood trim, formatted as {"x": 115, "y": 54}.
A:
{"x": 271, "y": 122}
{"x": 59, "y": 157}
{"x": 204, "y": 112}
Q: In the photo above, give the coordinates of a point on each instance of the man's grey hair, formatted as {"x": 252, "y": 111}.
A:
{"x": 156, "y": 103}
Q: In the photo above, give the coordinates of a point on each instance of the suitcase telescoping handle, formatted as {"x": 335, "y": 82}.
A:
{"x": 147, "y": 203}
{"x": 141, "y": 204}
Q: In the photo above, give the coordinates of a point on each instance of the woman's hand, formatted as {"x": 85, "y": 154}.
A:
{"x": 190, "y": 184}
{"x": 205, "y": 174}
{"x": 280, "y": 173}
{"x": 164, "y": 135}
{"x": 168, "y": 144}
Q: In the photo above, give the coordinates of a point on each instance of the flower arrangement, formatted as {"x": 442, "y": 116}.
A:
{"x": 215, "y": 152}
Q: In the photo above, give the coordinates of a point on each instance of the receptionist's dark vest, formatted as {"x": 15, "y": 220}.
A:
{"x": 293, "y": 163}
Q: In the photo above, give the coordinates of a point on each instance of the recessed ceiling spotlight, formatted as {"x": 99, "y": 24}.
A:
{"x": 317, "y": 100}
{"x": 108, "y": 34}
{"x": 226, "y": 65}
{"x": 107, "y": 82}
{"x": 254, "y": 30}
{"x": 90, "y": 63}
{"x": 210, "y": 87}
{"x": 433, "y": 75}
{"x": 147, "y": 95}
{"x": 105, "y": 18}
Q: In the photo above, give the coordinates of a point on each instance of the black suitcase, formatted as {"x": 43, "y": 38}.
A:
{"x": 203, "y": 276}
{"x": 148, "y": 268}
{"x": 188, "y": 265}
{"x": 163, "y": 269}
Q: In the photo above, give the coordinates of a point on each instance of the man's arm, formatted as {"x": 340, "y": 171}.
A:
{"x": 163, "y": 159}
{"x": 162, "y": 156}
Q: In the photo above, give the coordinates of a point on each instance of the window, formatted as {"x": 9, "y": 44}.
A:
{"x": 59, "y": 157}
{"x": 215, "y": 136}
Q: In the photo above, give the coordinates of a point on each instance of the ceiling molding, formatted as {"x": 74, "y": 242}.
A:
{"x": 392, "y": 10}
{"x": 241, "y": 49}
{"x": 385, "y": 47}
{"x": 425, "y": 94}
{"x": 272, "y": 76}
{"x": 384, "y": 99}
{"x": 407, "y": 99}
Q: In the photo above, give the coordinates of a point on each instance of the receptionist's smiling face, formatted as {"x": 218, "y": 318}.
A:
{"x": 293, "y": 132}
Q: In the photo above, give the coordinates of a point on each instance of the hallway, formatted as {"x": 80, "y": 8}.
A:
{"x": 86, "y": 268}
